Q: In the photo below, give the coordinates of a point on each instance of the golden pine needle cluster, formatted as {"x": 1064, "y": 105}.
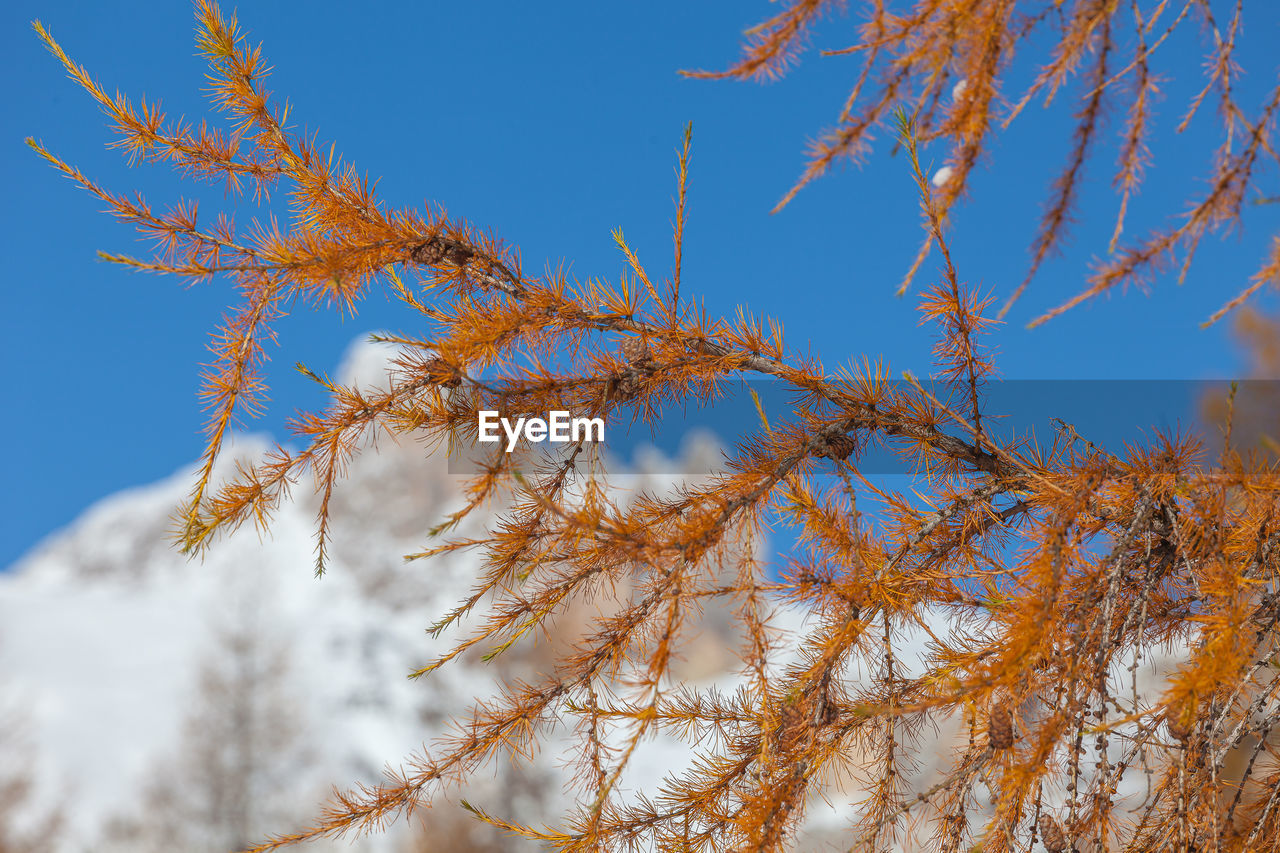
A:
{"x": 1058, "y": 572}
{"x": 949, "y": 62}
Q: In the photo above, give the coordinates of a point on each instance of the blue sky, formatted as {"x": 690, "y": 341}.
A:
{"x": 550, "y": 124}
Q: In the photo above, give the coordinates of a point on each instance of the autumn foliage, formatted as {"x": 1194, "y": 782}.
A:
{"x": 1048, "y": 578}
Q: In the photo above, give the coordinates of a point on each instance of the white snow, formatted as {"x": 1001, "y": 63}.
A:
{"x": 103, "y": 627}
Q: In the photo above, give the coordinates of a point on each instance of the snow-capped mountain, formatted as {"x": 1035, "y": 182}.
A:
{"x": 125, "y": 660}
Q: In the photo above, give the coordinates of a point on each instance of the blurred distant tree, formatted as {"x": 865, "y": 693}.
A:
{"x": 25, "y": 827}
{"x": 235, "y": 773}
{"x": 18, "y": 834}
{"x": 447, "y": 829}
{"x": 1047, "y": 578}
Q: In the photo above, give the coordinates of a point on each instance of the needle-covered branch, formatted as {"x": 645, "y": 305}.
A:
{"x": 1012, "y": 594}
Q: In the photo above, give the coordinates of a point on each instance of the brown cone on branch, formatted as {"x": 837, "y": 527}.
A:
{"x": 621, "y": 388}
{"x": 1051, "y": 835}
{"x": 1000, "y": 727}
{"x": 838, "y": 447}
{"x": 1180, "y": 733}
{"x": 635, "y": 351}
{"x": 444, "y": 374}
{"x": 439, "y": 250}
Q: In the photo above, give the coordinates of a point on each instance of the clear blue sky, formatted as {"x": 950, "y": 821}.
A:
{"x": 550, "y": 124}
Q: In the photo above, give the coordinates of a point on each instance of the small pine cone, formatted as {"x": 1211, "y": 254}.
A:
{"x": 439, "y": 249}
{"x": 838, "y": 447}
{"x": 1000, "y": 727}
{"x": 457, "y": 253}
{"x": 793, "y": 723}
{"x": 1051, "y": 835}
{"x": 430, "y": 252}
{"x": 1180, "y": 732}
{"x": 635, "y": 351}
{"x": 621, "y": 388}
{"x": 444, "y": 374}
